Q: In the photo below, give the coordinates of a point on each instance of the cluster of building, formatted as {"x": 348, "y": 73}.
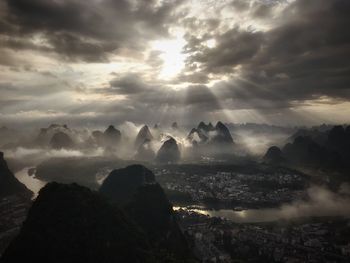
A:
{"x": 219, "y": 240}
{"x": 236, "y": 189}
{"x": 13, "y": 211}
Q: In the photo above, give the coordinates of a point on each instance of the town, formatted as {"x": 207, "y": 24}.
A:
{"x": 13, "y": 211}
{"x": 303, "y": 240}
{"x": 230, "y": 189}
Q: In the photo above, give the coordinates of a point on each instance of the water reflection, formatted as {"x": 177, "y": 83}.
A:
{"x": 30, "y": 182}
{"x": 244, "y": 216}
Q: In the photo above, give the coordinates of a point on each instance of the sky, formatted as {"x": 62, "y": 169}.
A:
{"x": 96, "y": 62}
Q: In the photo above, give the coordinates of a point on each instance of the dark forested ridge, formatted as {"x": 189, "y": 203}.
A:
{"x": 135, "y": 189}
{"x": 121, "y": 184}
{"x": 71, "y": 223}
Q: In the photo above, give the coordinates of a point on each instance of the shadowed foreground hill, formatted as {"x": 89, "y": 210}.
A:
{"x": 121, "y": 184}
{"x": 135, "y": 189}
{"x": 9, "y": 184}
{"x": 151, "y": 209}
{"x": 70, "y": 223}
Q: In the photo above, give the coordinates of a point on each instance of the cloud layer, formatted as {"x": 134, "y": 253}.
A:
{"x": 99, "y": 61}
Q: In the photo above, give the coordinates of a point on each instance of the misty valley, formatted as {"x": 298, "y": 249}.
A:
{"x": 173, "y": 193}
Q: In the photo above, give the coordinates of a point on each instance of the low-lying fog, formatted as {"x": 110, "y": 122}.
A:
{"x": 30, "y": 148}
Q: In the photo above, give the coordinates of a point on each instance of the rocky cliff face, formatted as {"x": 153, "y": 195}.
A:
{"x": 169, "y": 152}
{"x": 143, "y": 136}
{"x": 9, "y": 185}
{"x": 222, "y": 134}
{"x": 111, "y": 136}
{"x": 61, "y": 140}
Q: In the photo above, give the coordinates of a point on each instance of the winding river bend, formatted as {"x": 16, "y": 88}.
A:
{"x": 30, "y": 182}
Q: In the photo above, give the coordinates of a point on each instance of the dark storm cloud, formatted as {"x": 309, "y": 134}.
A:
{"x": 233, "y": 48}
{"x": 84, "y": 30}
{"x": 301, "y": 58}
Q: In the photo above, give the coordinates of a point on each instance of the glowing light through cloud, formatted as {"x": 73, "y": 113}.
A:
{"x": 171, "y": 55}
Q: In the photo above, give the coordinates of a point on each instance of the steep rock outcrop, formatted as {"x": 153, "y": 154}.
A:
{"x": 169, "y": 152}
{"x": 61, "y": 140}
{"x": 143, "y": 135}
{"x": 121, "y": 184}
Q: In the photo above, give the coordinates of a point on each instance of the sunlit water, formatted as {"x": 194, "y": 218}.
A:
{"x": 244, "y": 216}
{"x": 285, "y": 212}
{"x": 30, "y": 182}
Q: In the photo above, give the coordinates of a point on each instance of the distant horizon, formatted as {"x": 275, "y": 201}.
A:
{"x": 164, "y": 125}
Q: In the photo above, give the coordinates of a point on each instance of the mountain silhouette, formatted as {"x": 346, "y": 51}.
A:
{"x": 143, "y": 135}
{"x": 112, "y": 136}
{"x": 274, "y": 155}
{"x": 121, "y": 184}
{"x": 169, "y": 152}
{"x": 45, "y": 135}
{"x": 70, "y": 223}
{"x": 151, "y": 209}
{"x": 61, "y": 140}
{"x": 204, "y": 127}
{"x": 222, "y": 134}
{"x": 197, "y": 135}
{"x": 327, "y": 150}
{"x": 134, "y": 188}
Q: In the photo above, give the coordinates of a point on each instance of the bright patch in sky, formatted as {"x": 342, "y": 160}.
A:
{"x": 171, "y": 55}
{"x": 211, "y": 43}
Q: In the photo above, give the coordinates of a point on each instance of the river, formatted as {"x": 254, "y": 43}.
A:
{"x": 243, "y": 216}
{"x": 30, "y": 182}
